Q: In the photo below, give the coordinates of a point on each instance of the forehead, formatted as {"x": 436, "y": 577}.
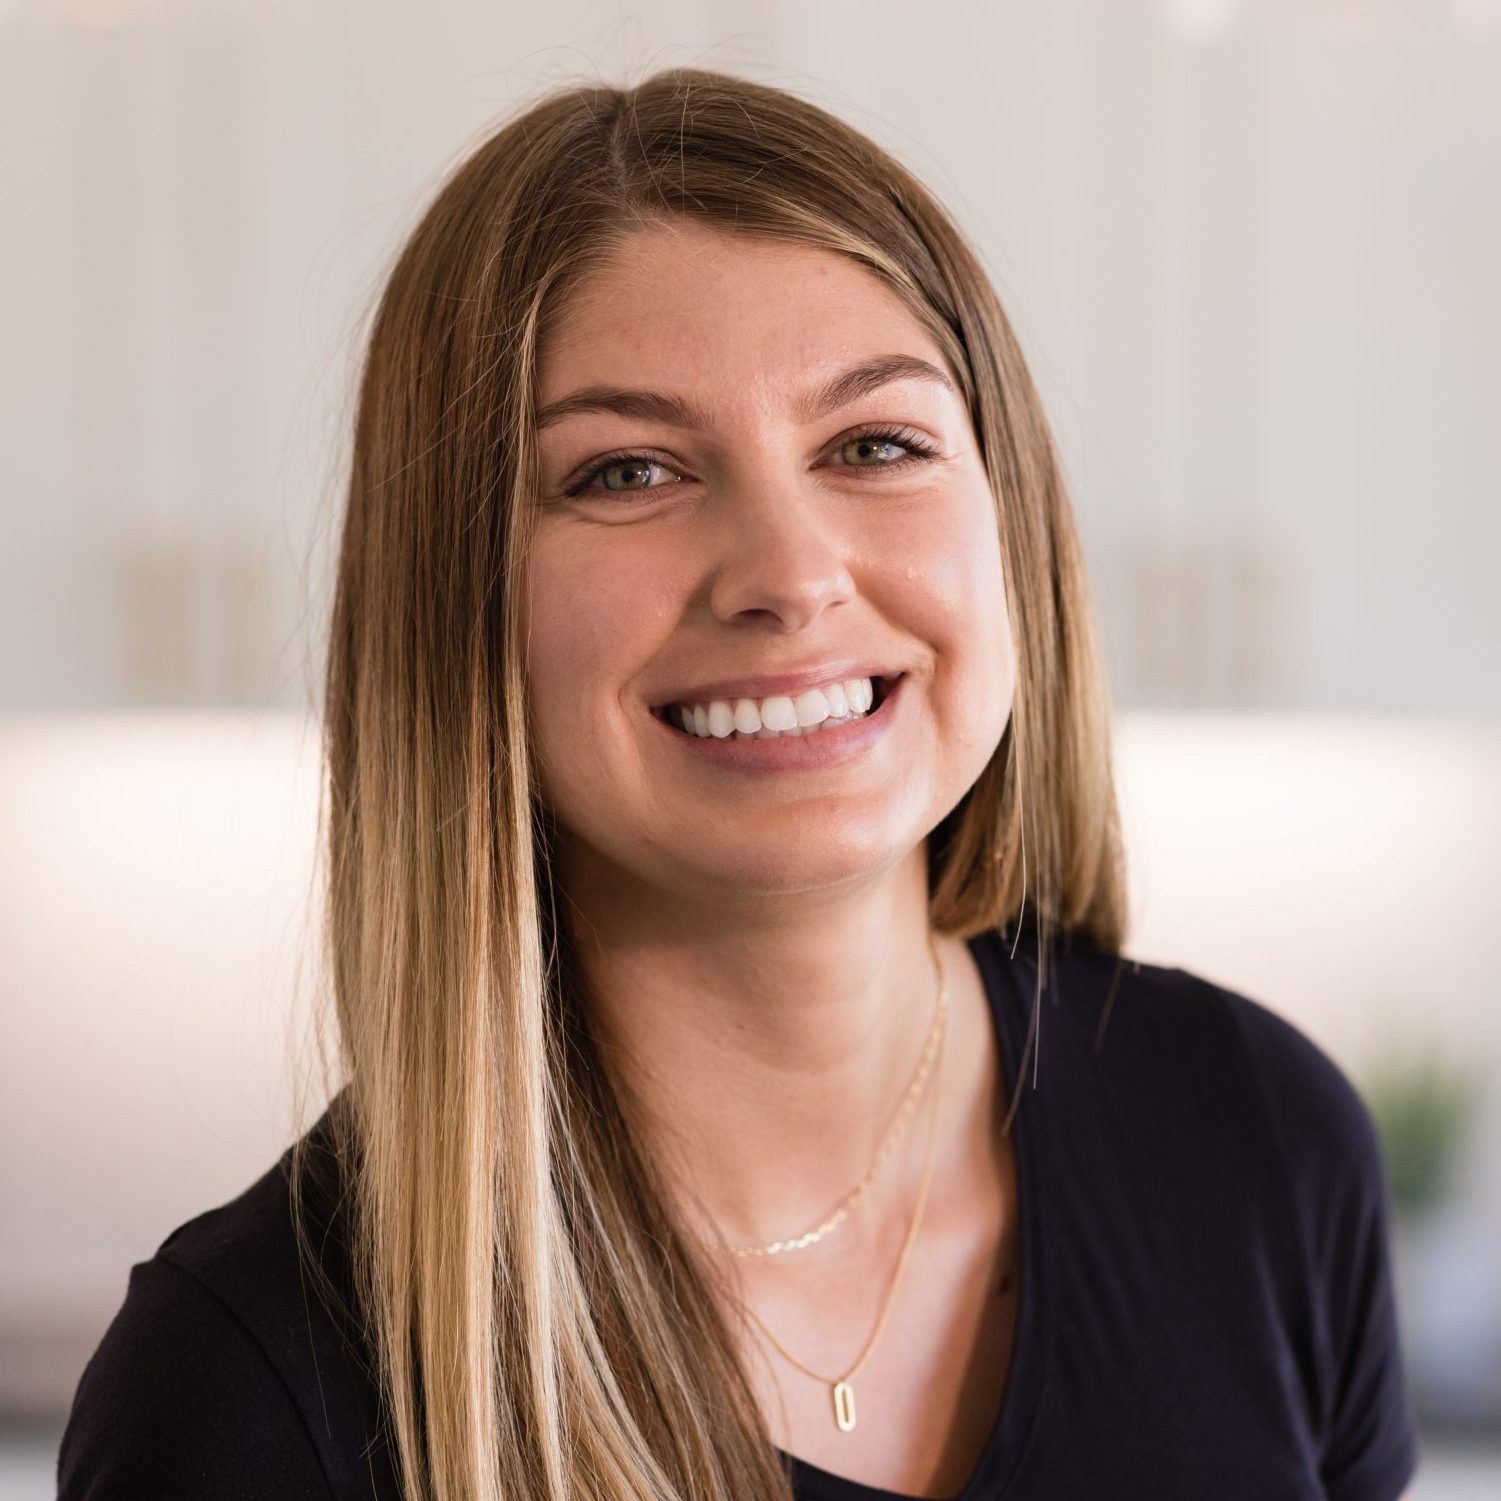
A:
{"x": 730, "y": 315}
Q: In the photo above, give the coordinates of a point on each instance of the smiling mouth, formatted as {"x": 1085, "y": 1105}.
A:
{"x": 671, "y": 716}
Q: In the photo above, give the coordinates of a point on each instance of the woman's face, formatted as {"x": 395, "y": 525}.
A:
{"x": 709, "y": 515}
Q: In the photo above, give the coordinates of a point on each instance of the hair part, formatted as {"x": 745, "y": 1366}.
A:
{"x": 540, "y": 1325}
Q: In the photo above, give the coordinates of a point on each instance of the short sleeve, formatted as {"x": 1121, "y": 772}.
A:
{"x": 180, "y": 1403}
{"x": 1337, "y": 1174}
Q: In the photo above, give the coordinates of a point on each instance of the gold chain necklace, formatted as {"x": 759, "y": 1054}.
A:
{"x": 888, "y": 1141}
{"x": 842, "y": 1391}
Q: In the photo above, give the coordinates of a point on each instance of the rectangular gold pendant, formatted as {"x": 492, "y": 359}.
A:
{"x": 844, "y": 1405}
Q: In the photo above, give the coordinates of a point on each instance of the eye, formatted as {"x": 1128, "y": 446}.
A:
{"x": 635, "y": 467}
{"x": 872, "y": 445}
{"x": 871, "y": 442}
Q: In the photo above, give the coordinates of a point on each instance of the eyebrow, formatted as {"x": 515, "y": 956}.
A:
{"x": 660, "y": 406}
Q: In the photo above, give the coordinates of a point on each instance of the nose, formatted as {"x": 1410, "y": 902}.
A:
{"x": 781, "y": 564}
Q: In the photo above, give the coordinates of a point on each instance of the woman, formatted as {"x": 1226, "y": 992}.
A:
{"x": 745, "y": 1095}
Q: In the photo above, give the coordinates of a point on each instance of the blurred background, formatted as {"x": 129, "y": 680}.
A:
{"x": 1251, "y": 248}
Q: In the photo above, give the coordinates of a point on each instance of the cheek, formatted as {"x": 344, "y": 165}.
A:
{"x": 953, "y": 566}
{"x": 567, "y": 645}
{"x": 563, "y": 655}
{"x": 995, "y": 661}
{"x": 956, "y": 580}
{"x": 593, "y": 622}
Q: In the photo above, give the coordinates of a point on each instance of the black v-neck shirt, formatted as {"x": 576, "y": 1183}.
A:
{"x": 1206, "y": 1303}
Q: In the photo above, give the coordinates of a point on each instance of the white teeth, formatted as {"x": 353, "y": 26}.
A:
{"x": 811, "y": 707}
{"x": 817, "y": 708}
{"x": 777, "y": 713}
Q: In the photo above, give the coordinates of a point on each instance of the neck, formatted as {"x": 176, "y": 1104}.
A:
{"x": 764, "y": 1046}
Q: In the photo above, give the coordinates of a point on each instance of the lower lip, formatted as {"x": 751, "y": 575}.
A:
{"x": 794, "y": 752}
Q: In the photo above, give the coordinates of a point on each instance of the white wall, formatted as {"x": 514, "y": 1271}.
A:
{"x": 1250, "y": 248}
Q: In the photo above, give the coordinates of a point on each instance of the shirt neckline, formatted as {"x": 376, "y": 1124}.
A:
{"x": 1005, "y": 1447}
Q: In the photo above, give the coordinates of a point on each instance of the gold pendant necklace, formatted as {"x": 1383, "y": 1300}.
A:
{"x": 840, "y": 1387}
{"x": 888, "y": 1141}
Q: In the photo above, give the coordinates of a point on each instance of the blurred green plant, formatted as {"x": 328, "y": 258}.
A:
{"x": 1423, "y": 1106}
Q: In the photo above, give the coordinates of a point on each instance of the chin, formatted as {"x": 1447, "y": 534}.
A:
{"x": 752, "y": 867}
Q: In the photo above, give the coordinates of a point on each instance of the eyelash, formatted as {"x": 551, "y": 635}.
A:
{"x": 919, "y": 451}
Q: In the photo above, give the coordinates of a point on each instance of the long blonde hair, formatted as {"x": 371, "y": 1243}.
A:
{"x": 540, "y": 1325}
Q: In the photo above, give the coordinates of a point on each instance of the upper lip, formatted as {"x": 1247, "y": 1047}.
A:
{"x": 775, "y": 683}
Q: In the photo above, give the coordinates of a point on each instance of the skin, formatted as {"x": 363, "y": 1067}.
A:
{"x": 754, "y": 945}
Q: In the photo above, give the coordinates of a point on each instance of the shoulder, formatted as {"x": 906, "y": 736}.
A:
{"x": 1171, "y": 1021}
{"x": 180, "y": 1395}
{"x": 1325, "y": 1219}
{"x": 227, "y": 1366}
{"x": 1205, "y": 1072}
{"x": 246, "y": 1252}
{"x": 1316, "y": 1122}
